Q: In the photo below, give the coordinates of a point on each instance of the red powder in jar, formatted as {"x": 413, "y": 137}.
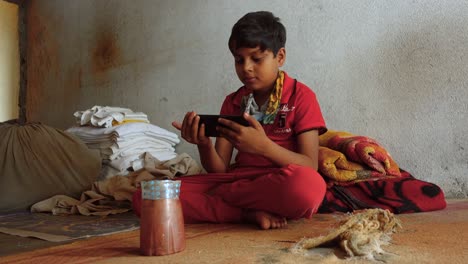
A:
{"x": 161, "y": 227}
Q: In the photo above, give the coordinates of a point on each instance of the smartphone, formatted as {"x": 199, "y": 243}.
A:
{"x": 211, "y": 121}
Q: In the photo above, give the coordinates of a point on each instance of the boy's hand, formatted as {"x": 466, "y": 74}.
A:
{"x": 247, "y": 139}
{"x": 190, "y": 131}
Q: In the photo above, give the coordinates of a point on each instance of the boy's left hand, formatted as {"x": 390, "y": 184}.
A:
{"x": 250, "y": 139}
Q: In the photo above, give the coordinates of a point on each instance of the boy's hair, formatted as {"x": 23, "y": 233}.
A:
{"x": 258, "y": 29}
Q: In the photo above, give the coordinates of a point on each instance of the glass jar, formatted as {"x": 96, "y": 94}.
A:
{"x": 161, "y": 222}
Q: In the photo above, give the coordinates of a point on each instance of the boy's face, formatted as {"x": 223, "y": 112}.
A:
{"x": 258, "y": 69}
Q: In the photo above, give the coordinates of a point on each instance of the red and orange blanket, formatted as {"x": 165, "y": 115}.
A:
{"x": 361, "y": 174}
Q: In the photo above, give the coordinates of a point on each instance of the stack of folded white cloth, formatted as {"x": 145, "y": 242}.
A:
{"x": 107, "y": 116}
{"x": 123, "y": 147}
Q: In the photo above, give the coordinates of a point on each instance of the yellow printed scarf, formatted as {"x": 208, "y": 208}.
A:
{"x": 275, "y": 100}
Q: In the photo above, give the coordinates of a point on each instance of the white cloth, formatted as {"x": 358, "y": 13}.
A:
{"x": 127, "y": 162}
{"x": 135, "y": 151}
{"x": 103, "y": 116}
{"x": 112, "y": 150}
{"x": 123, "y": 147}
{"x": 131, "y": 130}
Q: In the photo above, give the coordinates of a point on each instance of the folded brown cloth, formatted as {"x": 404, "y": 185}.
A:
{"x": 114, "y": 195}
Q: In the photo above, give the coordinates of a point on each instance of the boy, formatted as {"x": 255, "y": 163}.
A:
{"x": 274, "y": 177}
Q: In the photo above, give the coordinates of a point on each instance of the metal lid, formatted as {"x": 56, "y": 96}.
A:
{"x": 160, "y": 189}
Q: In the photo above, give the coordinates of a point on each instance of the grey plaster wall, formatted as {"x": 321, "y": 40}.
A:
{"x": 391, "y": 70}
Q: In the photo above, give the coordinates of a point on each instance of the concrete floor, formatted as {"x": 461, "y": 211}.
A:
{"x": 432, "y": 237}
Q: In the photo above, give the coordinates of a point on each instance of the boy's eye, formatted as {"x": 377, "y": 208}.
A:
{"x": 255, "y": 59}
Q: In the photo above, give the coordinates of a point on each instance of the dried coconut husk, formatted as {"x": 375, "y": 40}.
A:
{"x": 361, "y": 234}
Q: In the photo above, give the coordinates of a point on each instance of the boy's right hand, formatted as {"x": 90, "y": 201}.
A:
{"x": 190, "y": 130}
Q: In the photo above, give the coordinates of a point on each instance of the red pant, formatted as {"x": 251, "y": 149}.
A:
{"x": 292, "y": 191}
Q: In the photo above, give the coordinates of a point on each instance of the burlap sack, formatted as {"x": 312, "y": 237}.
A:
{"x": 37, "y": 162}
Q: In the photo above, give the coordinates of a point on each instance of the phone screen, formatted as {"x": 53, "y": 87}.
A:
{"x": 211, "y": 121}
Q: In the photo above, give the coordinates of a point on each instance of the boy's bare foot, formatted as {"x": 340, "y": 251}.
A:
{"x": 265, "y": 220}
